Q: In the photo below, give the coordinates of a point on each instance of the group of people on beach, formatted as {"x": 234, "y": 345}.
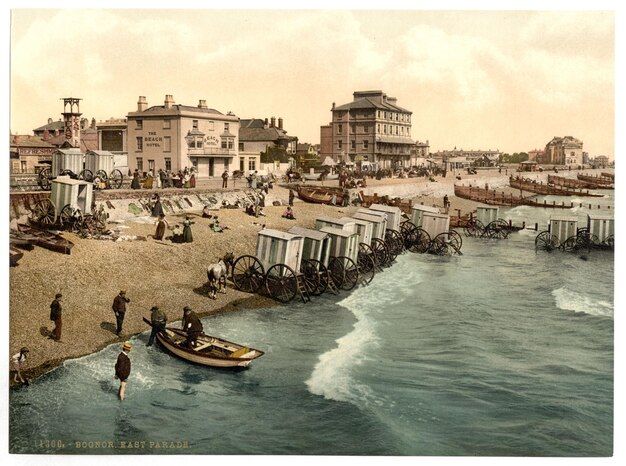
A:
{"x": 164, "y": 179}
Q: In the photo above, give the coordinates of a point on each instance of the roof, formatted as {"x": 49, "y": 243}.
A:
{"x": 278, "y": 234}
{"x": 252, "y": 132}
{"x": 395, "y": 140}
{"x": 29, "y": 141}
{"x": 59, "y": 124}
{"x": 179, "y": 108}
{"x": 310, "y": 233}
{"x": 366, "y": 102}
{"x": 338, "y": 232}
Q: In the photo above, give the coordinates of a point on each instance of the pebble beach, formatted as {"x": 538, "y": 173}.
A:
{"x": 165, "y": 274}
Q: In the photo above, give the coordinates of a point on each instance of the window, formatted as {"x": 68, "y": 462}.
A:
{"x": 241, "y": 147}
{"x": 151, "y": 165}
{"x": 140, "y": 164}
{"x": 226, "y": 127}
{"x": 396, "y": 117}
{"x": 396, "y": 130}
{"x": 353, "y": 144}
{"x": 401, "y": 130}
{"x": 378, "y": 130}
{"x": 231, "y": 143}
{"x": 365, "y": 144}
{"x": 23, "y": 166}
{"x": 199, "y": 143}
{"x": 139, "y": 124}
{"x": 385, "y": 115}
{"x": 211, "y": 126}
{"x": 224, "y": 144}
{"x": 139, "y": 144}
{"x": 339, "y": 129}
{"x": 366, "y": 129}
{"x": 168, "y": 163}
{"x": 167, "y": 144}
{"x": 252, "y": 164}
{"x": 167, "y": 124}
{"x": 384, "y": 129}
{"x": 194, "y": 124}
{"x": 339, "y": 144}
{"x": 241, "y": 165}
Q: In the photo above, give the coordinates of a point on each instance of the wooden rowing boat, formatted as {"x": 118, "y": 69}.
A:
{"x": 321, "y": 194}
{"x": 210, "y": 351}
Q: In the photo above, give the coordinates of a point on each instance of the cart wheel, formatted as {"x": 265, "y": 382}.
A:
{"x": 587, "y": 240}
{"x": 397, "y": 240}
{"x": 422, "y": 241}
{"x": 86, "y": 175}
{"x": 381, "y": 254}
{"x": 344, "y": 272}
{"x": 116, "y": 179}
{"x": 45, "y": 212}
{"x": 455, "y": 240}
{"x": 475, "y": 229}
{"x": 570, "y": 244}
{"x": 101, "y": 174}
{"x": 409, "y": 234}
{"x": 392, "y": 248}
{"x": 546, "y": 241}
{"x": 366, "y": 250}
{"x": 439, "y": 245}
{"x": 43, "y": 178}
{"x": 69, "y": 216}
{"x": 366, "y": 268}
{"x": 248, "y": 274}
{"x": 70, "y": 173}
{"x": 281, "y": 283}
{"x": 311, "y": 277}
{"x": 497, "y": 229}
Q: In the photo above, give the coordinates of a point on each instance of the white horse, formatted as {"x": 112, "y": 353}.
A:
{"x": 216, "y": 274}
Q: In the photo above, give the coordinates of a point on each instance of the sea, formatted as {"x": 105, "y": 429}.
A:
{"x": 502, "y": 351}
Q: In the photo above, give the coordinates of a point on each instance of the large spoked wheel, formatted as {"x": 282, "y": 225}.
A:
{"x": 475, "y": 229}
{"x": 311, "y": 276}
{"x": 546, "y": 241}
{"x": 497, "y": 229}
{"x": 344, "y": 272}
{"x": 586, "y": 240}
{"x": 421, "y": 241}
{"x": 116, "y": 179}
{"x": 43, "y": 178}
{"x": 366, "y": 268}
{"x": 570, "y": 244}
{"x": 71, "y": 216}
{"x": 381, "y": 253}
{"x": 281, "y": 283}
{"x": 101, "y": 174}
{"x": 439, "y": 245}
{"x": 409, "y": 234}
{"x": 248, "y": 274}
{"x": 45, "y": 212}
{"x": 396, "y": 240}
{"x": 86, "y": 175}
{"x": 455, "y": 240}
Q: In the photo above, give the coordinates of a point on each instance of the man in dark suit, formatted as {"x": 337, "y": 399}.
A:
{"x": 122, "y": 369}
{"x": 191, "y": 325}
{"x": 55, "y": 316}
{"x": 119, "y": 308}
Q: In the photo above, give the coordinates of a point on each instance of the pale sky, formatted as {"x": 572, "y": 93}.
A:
{"x": 507, "y": 80}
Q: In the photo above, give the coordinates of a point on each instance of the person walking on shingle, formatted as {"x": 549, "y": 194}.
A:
{"x": 55, "y": 316}
{"x": 119, "y": 308}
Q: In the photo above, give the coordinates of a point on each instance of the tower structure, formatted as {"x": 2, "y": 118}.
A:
{"x": 71, "y": 119}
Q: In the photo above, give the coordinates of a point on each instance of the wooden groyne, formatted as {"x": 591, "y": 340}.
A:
{"x": 533, "y": 186}
{"x": 492, "y": 197}
{"x": 571, "y": 183}
{"x": 604, "y": 182}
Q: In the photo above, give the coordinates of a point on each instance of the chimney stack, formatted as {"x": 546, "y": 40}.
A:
{"x": 333, "y": 106}
{"x": 49, "y": 121}
{"x": 93, "y": 123}
{"x": 265, "y": 124}
{"x": 202, "y": 104}
{"x": 142, "y": 103}
{"x": 46, "y": 135}
{"x": 273, "y": 122}
{"x": 280, "y": 123}
{"x": 169, "y": 101}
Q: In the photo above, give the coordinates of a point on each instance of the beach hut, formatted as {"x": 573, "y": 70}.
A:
{"x": 601, "y": 227}
{"x": 378, "y": 221}
{"x": 394, "y": 215}
{"x": 67, "y": 159}
{"x": 563, "y": 227}
{"x": 417, "y": 212}
{"x": 344, "y": 251}
{"x": 435, "y": 223}
{"x": 78, "y": 194}
{"x": 316, "y": 244}
{"x": 279, "y": 247}
{"x": 99, "y": 160}
{"x": 363, "y": 227}
{"x": 486, "y": 215}
{"x": 344, "y": 223}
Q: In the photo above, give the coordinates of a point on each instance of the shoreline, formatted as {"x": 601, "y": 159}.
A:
{"x": 162, "y": 273}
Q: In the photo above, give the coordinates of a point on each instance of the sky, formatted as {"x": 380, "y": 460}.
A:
{"x": 506, "y": 80}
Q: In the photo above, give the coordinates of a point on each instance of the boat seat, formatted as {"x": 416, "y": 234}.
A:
{"x": 240, "y": 352}
{"x": 202, "y": 346}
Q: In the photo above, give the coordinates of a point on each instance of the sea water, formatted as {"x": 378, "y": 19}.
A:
{"x": 500, "y": 351}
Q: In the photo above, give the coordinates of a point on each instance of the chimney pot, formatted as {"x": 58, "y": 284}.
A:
{"x": 49, "y": 120}
{"x": 142, "y": 103}
{"x": 273, "y": 122}
{"x": 202, "y": 104}
{"x": 280, "y": 123}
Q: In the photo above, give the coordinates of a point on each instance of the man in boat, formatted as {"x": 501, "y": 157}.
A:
{"x": 55, "y": 316}
{"x": 122, "y": 368}
{"x": 119, "y": 309}
{"x": 191, "y": 325}
{"x": 159, "y": 320}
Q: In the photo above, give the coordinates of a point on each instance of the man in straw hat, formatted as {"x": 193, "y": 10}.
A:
{"x": 158, "y": 320}
{"x": 119, "y": 308}
{"x": 122, "y": 368}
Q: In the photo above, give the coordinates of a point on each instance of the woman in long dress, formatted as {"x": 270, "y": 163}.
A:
{"x": 187, "y": 236}
{"x": 161, "y": 223}
{"x": 135, "y": 183}
{"x": 157, "y": 209}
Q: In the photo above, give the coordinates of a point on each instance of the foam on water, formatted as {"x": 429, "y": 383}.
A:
{"x": 569, "y": 300}
{"x": 332, "y": 377}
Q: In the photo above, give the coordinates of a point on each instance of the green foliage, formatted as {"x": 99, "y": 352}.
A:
{"x": 516, "y": 157}
{"x": 275, "y": 153}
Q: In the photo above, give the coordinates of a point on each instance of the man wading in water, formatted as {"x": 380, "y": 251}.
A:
{"x": 122, "y": 369}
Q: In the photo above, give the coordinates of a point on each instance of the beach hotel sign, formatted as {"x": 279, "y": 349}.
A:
{"x": 152, "y": 140}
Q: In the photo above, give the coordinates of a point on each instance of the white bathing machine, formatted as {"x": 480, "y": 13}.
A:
{"x": 344, "y": 223}
{"x": 363, "y": 228}
{"x": 377, "y": 244}
{"x": 486, "y": 214}
{"x": 379, "y": 222}
{"x": 394, "y": 215}
{"x": 344, "y": 250}
{"x": 418, "y": 210}
{"x": 66, "y": 160}
{"x": 601, "y": 228}
{"x": 563, "y": 227}
{"x": 316, "y": 252}
{"x": 276, "y": 265}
